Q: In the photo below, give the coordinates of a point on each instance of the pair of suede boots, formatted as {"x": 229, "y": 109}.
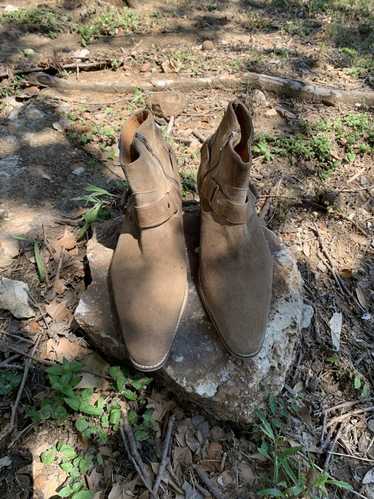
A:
{"x": 148, "y": 274}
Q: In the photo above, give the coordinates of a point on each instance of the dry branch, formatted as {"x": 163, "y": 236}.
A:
{"x": 213, "y": 489}
{"x": 281, "y": 86}
{"x": 12, "y": 423}
{"x": 134, "y": 456}
{"x": 165, "y": 455}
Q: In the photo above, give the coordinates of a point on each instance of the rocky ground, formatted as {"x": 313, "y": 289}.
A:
{"x": 62, "y": 400}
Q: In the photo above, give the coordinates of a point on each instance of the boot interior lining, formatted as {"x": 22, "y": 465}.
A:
{"x": 245, "y": 132}
{"x": 128, "y": 153}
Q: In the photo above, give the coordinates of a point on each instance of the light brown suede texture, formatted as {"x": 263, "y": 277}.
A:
{"x": 148, "y": 273}
{"x": 236, "y": 267}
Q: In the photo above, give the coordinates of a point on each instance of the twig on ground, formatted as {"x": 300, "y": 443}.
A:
{"x": 58, "y": 271}
{"x": 170, "y": 125}
{"x": 173, "y": 475}
{"x": 323, "y": 433}
{"x": 165, "y": 455}
{"x": 332, "y": 448}
{"x": 342, "y": 417}
{"x": 208, "y": 483}
{"x": 12, "y": 423}
{"x": 348, "y": 404}
{"x": 133, "y": 453}
{"x": 198, "y": 135}
{"x": 349, "y": 456}
{"x": 20, "y": 435}
{"x": 49, "y": 363}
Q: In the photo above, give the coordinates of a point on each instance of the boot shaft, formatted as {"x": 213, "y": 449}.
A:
{"x": 223, "y": 178}
{"x": 150, "y": 168}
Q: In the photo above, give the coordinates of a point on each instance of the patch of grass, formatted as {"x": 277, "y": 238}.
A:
{"x": 108, "y": 23}
{"x": 11, "y": 86}
{"x": 293, "y": 474}
{"x": 189, "y": 183}
{"x": 98, "y": 201}
{"x": 137, "y": 100}
{"x": 350, "y": 136}
{"x": 42, "y": 19}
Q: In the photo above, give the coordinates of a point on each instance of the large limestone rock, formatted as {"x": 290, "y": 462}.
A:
{"x": 199, "y": 367}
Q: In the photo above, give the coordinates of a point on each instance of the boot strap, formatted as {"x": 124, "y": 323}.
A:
{"x": 235, "y": 213}
{"x": 158, "y": 212}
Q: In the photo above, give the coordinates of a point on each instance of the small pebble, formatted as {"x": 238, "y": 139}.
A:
{"x": 208, "y": 45}
{"x": 78, "y": 171}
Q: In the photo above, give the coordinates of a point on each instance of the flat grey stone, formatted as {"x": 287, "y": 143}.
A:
{"x": 199, "y": 368}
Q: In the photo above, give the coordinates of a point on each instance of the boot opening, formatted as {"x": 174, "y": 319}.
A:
{"x": 246, "y": 131}
{"x": 127, "y": 151}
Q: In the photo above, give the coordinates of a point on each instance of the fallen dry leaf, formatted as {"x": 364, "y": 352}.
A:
{"x": 246, "y": 474}
{"x": 95, "y": 363}
{"x": 67, "y": 241}
{"x": 182, "y": 456}
{"x": 59, "y": 311}
{"x": 89, "y": 380}
{"x": 360, "y": 293}
{"x": 59, "y": 286}
{"x": 62, "y": 348}
{"x": 94, "y": 479}
{"x": 225, "y": 479}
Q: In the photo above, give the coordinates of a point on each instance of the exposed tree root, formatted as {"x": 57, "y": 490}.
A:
{"x": 280, "y": 86}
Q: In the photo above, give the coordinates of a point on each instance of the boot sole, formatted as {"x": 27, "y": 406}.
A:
{"x": 220, "y": 335}
{"x": 159, "y": 365}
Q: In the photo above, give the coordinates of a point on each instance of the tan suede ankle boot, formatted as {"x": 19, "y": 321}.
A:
{"x": 235, "y": 275}
{"x": 148, "y": 273}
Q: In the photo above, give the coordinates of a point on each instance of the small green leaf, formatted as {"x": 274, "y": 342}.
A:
{"x": 115, "y": 416}
{"x": 266, "y": 426}
{"x": 141, "y": 383}
{"x": 67, "y": 451}
{"x": 73, "y": 402}
{"x": 99, "y": 191}
{"x": 357, "y": 381}
{"x": 104, "y": 421}
{"x": 118, "y": 377}
{"x": 81, "y": 424}
{"x": 264, "y": 449}
{"x": 86, "y": 394}
{"x": 83, "y": 494}
{"x": 141, "y": 435}
{"x": 93, "y": 214}
{"x": 77, "y": 486}
{"x": 90, "y": 409}
{"x": 132, "y": 417}
{"x": 40, "y": 265}
{"x": 129, "y": 394}
{"x": 340, "y": 484}
{"x": 65, "y": 491}
{"x": 48, "y": 456}
{"x": 270, "y": 492}
{"x": 84, "y": 465}
{"x": 67, "y": 467}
